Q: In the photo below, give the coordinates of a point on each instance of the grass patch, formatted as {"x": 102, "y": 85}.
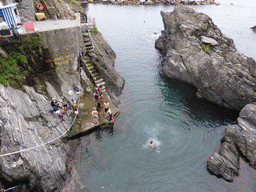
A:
{"x": 206, "y": 48}
{"x": 225, "y": 64}
{"x": 94, "y": 29}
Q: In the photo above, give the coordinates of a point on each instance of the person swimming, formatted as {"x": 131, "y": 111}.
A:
{"x": 152, "y": 144}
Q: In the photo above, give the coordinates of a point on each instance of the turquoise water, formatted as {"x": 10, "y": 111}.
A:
{"x": 186, "y": 130}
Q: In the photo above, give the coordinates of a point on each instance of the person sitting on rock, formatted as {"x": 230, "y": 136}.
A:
{"x": 60, "y": 114}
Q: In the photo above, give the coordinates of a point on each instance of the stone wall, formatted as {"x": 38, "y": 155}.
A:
{"x": 27, "y": 10}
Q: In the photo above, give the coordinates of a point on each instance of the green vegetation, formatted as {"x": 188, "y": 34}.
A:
{"x": 71, "y": 1}
{"x": 96, "y": 52}
{"x": 206, "y": 48}
{"x": 60, "y": 1}
{"x": 225, "y": 64}
{"x": 26, "y": 60}
{"x": 94, "y": 29}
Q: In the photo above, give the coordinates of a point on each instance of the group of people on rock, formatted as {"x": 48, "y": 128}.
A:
{"x": 96, "y": 112}
{"x": 100, "y": 104}
{"x": 65, "y": 108}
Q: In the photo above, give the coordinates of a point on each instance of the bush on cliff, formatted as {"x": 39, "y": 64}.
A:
{"x": 26, "y": 60}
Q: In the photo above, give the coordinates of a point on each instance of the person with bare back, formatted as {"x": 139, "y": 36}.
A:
{"x": 95, "y": 116}
{"x": 106, "y": 107}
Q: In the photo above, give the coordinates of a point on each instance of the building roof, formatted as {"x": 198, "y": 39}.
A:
{"x": 6, "y": 6}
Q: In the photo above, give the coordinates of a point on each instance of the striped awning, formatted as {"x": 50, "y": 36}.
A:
{"x": 9, "y": 17}
{"x": 8, "y": 13}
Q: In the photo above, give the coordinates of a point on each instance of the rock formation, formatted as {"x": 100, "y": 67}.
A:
{"x": 239, "y": 139}
{"x": 195, "y": 51}
{"x": 25, "y": 122}
{"x": 254, "y": 28}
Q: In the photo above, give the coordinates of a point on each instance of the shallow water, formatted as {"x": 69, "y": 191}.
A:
{"x": 186, "y": 130}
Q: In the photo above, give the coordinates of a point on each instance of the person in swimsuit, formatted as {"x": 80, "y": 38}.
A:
{"x": 95, "y": 115}
{"x": 96, "y": 97}
{"x": 101, "y": 99}
{"x": 152, "y": 144}
{"x": 65, "y": 105}
{"x": 106, "y": 106}
{"x": 98, "y": 109}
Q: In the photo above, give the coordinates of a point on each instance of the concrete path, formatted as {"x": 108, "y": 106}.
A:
{"x": 49, "y": 25}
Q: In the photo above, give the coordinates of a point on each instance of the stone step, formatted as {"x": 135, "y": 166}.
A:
{"x": 95, "y": 74}
{"x": 86, "y": 39}
{"x": 99, "y": 80}
{"x": 85, "y": 34}
{"x": 88, "y": 63}
{"x": 99, "y": 84}
{"x": 86, "y": 58}
{"x": 87, "y": 44}
{"x": 89, "y": 47}
{"x": 91, "y": 54}
{"x": 90, "y": 67}
{"x": 97, "y": 77}
{"x": 92, "y": 71}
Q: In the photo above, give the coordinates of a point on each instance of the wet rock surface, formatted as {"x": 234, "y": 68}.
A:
{"x": 239, "y": 140}
{"x": 196, "y": 51}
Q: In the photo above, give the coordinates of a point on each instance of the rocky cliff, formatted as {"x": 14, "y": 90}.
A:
{"x": 196, "y": 51}
{"x": 239, "y": 140}
{"x": 25, "y": 121}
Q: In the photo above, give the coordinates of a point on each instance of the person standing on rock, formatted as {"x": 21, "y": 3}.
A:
{"x": 96, "y": 97}
{"x": 77, "y": 116}
{"x": 98, "y": 108}
{"x": 106, "y": 106}
{"x": 95, "y": 116}
{"x": 101, "y": 100}
{"x": 99, "y": 89}
{"x": 110, "y": 116}
{"x": 65, "y": 105}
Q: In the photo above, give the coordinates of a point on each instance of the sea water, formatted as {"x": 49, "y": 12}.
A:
{"x": 186, "y": 130}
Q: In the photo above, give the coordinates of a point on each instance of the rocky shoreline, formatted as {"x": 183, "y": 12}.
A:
{"x": 195, "y": 51}
{"x": 156, "y": 2}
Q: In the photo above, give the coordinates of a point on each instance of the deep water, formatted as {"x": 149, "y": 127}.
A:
{"x": 186, "y": 130}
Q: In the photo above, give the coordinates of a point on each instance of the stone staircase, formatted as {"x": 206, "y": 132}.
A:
{"x": 90, "y": 67}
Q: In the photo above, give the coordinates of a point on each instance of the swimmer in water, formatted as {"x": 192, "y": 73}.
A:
{"x": 152, "y": 144}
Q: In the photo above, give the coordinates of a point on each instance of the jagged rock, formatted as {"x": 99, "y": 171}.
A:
{"x": 254, "y": 28}
{"x": 26, "y": 123}
{"x": 217, "y": 70}
{"x": 241, "y": 136}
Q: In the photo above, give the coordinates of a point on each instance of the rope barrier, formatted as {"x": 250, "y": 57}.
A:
{"x": 51, "y": 141}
